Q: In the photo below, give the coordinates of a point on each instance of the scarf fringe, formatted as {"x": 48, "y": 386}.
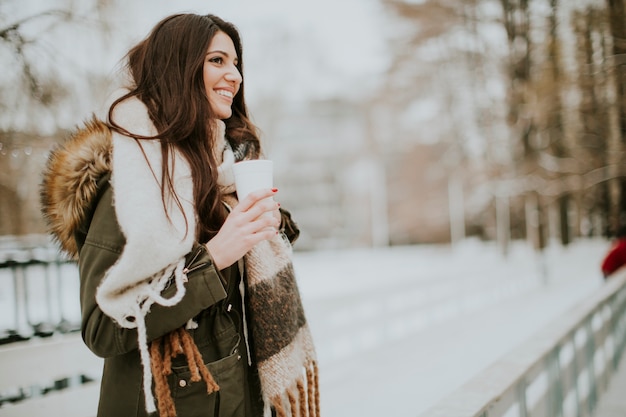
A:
{"x": 141, "y": 309}
{"x": 298, "y": 400}
{"x": 177, "y": 342}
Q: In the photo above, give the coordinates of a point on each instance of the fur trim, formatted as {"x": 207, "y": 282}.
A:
{"x": 155, "y": 243}
{"x": 70, "y": 181}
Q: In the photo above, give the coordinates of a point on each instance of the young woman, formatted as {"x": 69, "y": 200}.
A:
{"x": 187, "y": 294}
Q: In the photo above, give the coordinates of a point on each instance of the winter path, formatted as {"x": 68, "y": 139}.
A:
{"x": 398, "y": 329}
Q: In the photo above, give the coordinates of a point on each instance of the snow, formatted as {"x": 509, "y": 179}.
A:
{"x": 397, "y": 329}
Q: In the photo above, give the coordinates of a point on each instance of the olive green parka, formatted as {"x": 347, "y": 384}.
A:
{"x": 78, "y": 202}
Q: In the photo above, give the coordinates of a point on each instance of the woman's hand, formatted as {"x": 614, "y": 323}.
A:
{"x": 244, "y": 227}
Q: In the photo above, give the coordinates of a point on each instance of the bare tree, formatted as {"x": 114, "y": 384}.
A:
{"x": 17, "y": 42}
{"x": 33, "y": 90}
{"x": 565, "y": 107}
{"x": 617, "y": 24}
{"x": 439, "y": 61}
{"x": 32, "y": 80}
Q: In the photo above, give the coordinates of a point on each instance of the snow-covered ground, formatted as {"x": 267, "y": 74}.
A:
{"x": 397, "y": 329}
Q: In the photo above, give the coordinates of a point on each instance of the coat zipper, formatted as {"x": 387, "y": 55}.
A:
{"x": 187, "y": 270}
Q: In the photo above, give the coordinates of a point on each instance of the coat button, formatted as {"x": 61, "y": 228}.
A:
{"x": 182, "y": 383}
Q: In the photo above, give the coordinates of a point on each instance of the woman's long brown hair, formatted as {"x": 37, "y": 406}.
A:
{"x": 167, "y": 69}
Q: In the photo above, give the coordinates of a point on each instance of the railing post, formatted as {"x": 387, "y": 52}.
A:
{"x": 604, "y": 313}
{"x": 617, "y": 321}
{"x": 591, "y": 372}
{"x": 555, "y": 384}
{"x": 521, "y": 397}
{"x": 574, "y": 372}
{"x": 614, "y": 329}
{"x": 49, "y": 291}
{"x": 22, "y": 327}
{"x": 63, "y": 321}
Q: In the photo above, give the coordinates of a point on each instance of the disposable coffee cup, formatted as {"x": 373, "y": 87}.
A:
{"x": 253, "y": 175}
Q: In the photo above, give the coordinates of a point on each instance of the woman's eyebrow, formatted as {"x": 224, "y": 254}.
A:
{"x": 218, "y": 51}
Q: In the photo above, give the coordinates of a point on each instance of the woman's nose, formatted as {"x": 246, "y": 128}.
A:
{"x": 234, "y": 75}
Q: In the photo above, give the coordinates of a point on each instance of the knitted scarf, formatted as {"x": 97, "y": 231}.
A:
{"x": 283, "y": 346}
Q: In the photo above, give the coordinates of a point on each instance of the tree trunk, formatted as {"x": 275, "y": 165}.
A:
{"x": 617, "y": 103}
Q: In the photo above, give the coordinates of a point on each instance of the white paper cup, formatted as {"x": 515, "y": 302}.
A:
{"x": 253, "y": 175}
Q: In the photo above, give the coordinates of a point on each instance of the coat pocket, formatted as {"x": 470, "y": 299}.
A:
{"x": 191, "y": 398}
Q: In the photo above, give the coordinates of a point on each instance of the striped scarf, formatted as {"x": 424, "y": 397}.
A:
{"x": 283, "y": 346}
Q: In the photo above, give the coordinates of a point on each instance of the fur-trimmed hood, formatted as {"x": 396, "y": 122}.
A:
{"x": 155, "y": 240}
{"x": 70, "y": 180}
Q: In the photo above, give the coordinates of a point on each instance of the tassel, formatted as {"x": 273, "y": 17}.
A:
{"x": 191, "y": 357}
{"x": 167, "y": 358}
{"x": 162, "y": 389}
{"x": 177, "y": 342}
{"x": 316, "y": 387}
{"x": 302, "y": 398}
{"x": 196, "y": 364}
{"x": 292, "y": 403}
{"x": 310, "y": 393}
{"x": 211, "y": 385}
{"x": 278, "y": 406}
{"x": 175, "y": 345}
{"x": 145, "y": 364}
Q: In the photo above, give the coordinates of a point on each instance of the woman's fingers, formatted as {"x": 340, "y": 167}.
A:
{"x": 250, "y": 222}
{"x": 265, "y": 220}
{"x": 262, "y": 206}
{"x": 265, "y": 234}
{"x": 259, "y": 215}
{"x": 254, "y": 197}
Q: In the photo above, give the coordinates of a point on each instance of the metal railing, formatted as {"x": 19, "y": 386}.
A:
{"x": 40, "y": 294}
{"x": 45, "y": 366}
{"x": 560, "y": 372}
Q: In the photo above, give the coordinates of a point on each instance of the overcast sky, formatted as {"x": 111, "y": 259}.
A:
{"x": 293, "y": 49}
{"x": 306, "y": 46}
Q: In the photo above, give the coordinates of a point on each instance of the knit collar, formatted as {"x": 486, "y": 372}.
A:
{"x": 225, "y": 158}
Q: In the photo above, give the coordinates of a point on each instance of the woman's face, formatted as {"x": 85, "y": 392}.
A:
{"x": 221, "y": 76}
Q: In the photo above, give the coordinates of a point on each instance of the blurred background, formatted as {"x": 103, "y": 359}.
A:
{"x": 391, "y": 122}
{"x": 485, "y": 134}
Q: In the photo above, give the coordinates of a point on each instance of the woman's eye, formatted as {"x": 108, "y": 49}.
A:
{"x": 216, "y": 60}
